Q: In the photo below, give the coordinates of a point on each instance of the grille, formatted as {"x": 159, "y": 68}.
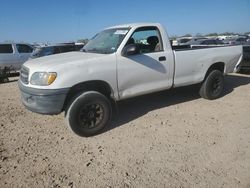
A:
{"x": 24, "y": 75}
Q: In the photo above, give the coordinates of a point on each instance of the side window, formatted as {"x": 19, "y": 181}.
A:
{"x": 67, "y": 48}
{"x": 147, "y": 38}
{"x": 78, "y": 47}
{"x": 219, "y": 42}
{"x": 56, "y": 50}
{"x": 204, "y": 42}
{"x": 6, "y": 49}
{"x": 47, "y": 51}
{"x": 209, "y": 42}
{"x": 240, "y": 39}
{"x": 23, "y": 48}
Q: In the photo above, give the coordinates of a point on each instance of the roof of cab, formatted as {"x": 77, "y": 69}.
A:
{"x": 133, "y": 25}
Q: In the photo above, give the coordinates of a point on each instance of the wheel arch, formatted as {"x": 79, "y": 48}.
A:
{"x": 93, "y": 85}
{"x": 215, "y": 66}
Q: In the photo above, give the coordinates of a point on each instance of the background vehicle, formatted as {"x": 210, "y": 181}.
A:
{"x": 208, "y": 42}
{"x": 237, "y": 41}
{"x": 13, "y": 55}
{"x": 245, "y": 63}
{"x": 55, "y": 49}
{"x": 4, "y": 74}
{"x": 119, "y": 63}
{"x": 189, "y": 40}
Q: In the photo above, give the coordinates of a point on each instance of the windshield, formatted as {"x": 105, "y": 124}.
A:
{"x": 106, "y": 42}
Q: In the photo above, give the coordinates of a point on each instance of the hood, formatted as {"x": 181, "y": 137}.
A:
{"x": 47, "y": 62}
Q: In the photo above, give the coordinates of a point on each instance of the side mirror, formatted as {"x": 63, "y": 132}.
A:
{"x": 131, "y": 49}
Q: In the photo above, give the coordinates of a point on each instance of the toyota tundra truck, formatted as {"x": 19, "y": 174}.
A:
{"x": 120, "y": 62}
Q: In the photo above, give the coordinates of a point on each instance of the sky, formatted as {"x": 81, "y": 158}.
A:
{"x": 68, "y": 20}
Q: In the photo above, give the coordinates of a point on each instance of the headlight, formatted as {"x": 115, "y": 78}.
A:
{"x": 43, "y": 78}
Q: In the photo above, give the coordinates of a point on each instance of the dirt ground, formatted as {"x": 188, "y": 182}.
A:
{"x": 167, "y": 139}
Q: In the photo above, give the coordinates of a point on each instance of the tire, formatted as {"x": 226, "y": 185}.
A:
{"x": 213, "y": 85}
{"x": 88, "y": 113}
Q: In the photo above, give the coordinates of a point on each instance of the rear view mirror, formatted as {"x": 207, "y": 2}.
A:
{"x": 131, "y": 49}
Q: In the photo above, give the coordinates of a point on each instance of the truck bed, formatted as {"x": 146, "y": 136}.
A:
{"x": 191, "y": 64}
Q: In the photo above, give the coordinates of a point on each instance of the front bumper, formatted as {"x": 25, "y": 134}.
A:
{"x": 43, "y": 101}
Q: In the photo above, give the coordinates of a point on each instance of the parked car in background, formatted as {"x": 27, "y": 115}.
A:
{"x": 208, "y": 42}
{"x": 55, "y": 49}
{"x": 245, "y": 63}
{"x": 237, "y": 41}
{"x": 13, "y": 55}
{"x": 183, "y": 40}
{"x": 189, "y": 40}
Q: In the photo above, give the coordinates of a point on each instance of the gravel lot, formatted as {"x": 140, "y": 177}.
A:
{"x": 168, "y": 139}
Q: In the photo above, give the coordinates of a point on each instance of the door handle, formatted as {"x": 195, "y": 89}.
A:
{"x": 162, "y": 58}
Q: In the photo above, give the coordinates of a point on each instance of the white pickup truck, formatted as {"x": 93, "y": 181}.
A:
{"x": 118, "y": 63}
{"x": 13, "y": 55}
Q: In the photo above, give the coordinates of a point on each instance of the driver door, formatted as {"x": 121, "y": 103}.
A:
{"x": 150, "y": 70}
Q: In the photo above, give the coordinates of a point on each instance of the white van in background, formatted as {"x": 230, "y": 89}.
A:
{"x": 13, "y": 55}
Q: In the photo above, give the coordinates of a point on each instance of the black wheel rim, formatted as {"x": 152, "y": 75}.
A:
{"x": 217, "y": 86}
{"x": 91, "y": 115}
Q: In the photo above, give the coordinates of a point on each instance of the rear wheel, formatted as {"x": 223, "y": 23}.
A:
{"x": 88, "y": 113}
{"x": 213, "y": 85}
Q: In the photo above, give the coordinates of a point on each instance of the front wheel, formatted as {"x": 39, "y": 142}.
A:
{"x": 88, "y": 113}
{"x": 212, "y": 86}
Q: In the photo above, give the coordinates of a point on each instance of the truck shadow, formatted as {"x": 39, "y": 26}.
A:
{"x": 136, "y": 107}
{"x": 235, "y": 80}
